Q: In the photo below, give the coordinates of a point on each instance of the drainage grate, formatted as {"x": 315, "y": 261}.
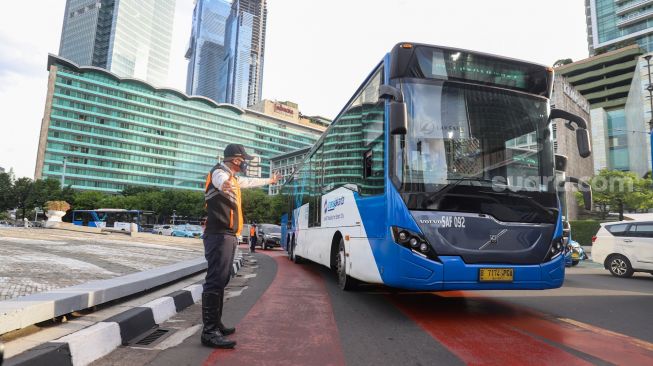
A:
{"x": 152, "y": 337}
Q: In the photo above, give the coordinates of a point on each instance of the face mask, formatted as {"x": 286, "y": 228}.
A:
{"x": 243, "y": 167}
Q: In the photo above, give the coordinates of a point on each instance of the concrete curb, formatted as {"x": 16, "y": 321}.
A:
{"x": 87, "y": 345}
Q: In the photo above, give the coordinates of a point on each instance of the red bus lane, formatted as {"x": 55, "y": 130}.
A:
{"x": 291, "y": 324}
{"x": 483, "y": 331}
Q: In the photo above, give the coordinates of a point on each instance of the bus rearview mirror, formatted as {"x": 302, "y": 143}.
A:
{"x": 587, "y": 198}
{"x": 583, "y": 142}
{"x": 585, "y": 189}
{"x": 398, "y": 118}
{"x": 398, "y": 112}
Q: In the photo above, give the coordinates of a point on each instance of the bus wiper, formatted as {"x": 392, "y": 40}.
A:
{"x": 431, "y": 198}
{"x": 532, "y": 201}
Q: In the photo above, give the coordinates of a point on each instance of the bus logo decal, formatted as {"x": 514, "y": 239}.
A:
{"x": 331, "y": 205}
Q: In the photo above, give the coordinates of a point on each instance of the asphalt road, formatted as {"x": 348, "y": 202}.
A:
{"x": 296, "y": 315}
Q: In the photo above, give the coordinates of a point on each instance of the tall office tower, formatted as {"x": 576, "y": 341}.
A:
{"x": 251, "y": 20}
{"x": 226, "y": 51}
{"x": 207, "y": 73}
{"x": 613, "y": 24}
{"x": 131, "y": 38}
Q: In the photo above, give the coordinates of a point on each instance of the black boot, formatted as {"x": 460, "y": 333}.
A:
{"x": 211, "y": 335}
{"x": 223, "y": 329}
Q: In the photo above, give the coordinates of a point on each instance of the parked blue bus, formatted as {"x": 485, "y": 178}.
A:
{"x": 437, "y": 175}
{"x": 116, "y": 219}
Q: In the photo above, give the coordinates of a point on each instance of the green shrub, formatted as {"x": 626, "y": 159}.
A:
{"x": 583, "y": 230}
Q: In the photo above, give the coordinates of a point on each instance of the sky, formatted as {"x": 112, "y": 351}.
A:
{"x": 316, "y": 55}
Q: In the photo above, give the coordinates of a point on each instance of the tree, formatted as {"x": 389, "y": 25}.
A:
{"x": 7, "y": 199}
{"x": 258, "y": 206}
{"x": 22, "y": 189}
{"x": 88, "y": 200}
{"x": 44, "y": 190}
{"x": 562, "y": 61}
{"x": 616, "y": 190}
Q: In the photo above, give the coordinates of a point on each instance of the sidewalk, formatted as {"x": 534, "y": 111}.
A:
{"x": 38, "y": 260}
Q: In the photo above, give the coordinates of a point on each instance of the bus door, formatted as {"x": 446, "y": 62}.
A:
{"x": 284, "y": 231}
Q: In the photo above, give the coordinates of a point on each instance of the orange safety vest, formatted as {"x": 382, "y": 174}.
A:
{"x": 252, "y": 231}
{"x": 221, "y": 206}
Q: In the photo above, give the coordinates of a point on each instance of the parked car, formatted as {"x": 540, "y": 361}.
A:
{"x": 268, "y": 235}
{"x": 624, "y": 247}
{"x": 162, "y": 230}
{"x": 187, "y": 231}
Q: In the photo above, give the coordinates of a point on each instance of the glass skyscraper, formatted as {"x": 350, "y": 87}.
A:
{"x": 115, "y": 132}
{"x": 131, "y": 38}
{"x": 207, "y": 52}
{"x": 612, "y": 24}
{"x": 227, "y": 50}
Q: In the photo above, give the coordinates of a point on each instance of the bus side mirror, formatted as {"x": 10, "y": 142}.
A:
{"x": 398, "y": 112}
{"x": 586, "y": 189}
{"x": 398, "y": 118}
{"x": 582, "y": 135}
{"x": 583, "y": 142}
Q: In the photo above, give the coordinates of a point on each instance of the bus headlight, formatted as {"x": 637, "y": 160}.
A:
{"x": 413, "y": 241}
{"x": 556, "y": 248}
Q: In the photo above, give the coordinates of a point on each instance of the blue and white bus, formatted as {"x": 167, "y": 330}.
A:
{"x": 437, "y": 175}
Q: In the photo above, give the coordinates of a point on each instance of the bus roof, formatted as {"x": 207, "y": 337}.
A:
{"x": 447, "y": 63}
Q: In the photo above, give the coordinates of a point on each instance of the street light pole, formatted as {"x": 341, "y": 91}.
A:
{"x": 63, "y": 173}
{"x": 650, "y": 98}
{"x": 174, "y": 214}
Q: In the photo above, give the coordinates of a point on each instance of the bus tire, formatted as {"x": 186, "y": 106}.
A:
{"x": 295, "y": 258}
{"x": 346, "y": 282}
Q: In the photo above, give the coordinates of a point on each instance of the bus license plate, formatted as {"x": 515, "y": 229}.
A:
{"x": 496, "y": 274}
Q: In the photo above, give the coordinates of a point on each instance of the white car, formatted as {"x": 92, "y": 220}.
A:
{"x": 624, "y": 247}
{"x": 163, "y": 229}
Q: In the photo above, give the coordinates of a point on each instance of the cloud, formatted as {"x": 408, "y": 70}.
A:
{"x": 19, "y": 60}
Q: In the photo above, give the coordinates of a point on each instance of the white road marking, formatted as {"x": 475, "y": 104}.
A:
{"x": 230, "y": 294}
{"x": 32, "y": 241}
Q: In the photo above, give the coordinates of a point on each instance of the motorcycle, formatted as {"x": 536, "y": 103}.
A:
{"x": 574, "y": 253}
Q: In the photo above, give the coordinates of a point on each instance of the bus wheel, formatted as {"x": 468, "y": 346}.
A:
{"x": 345, "y": 282}
{"x": 295, "y": 258}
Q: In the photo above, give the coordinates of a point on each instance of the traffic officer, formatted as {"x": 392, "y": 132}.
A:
{"x": 252, "y": 238}
{"x": 223, "y": 224}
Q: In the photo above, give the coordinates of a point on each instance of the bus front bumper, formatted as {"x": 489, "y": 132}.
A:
{"x": 452, "y": 273}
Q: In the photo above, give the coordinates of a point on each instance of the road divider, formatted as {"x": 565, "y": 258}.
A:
{"x": 24, "y": 311}
{"x": 89, "y": 344}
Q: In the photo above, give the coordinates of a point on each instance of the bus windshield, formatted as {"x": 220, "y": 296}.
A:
{"x": 470, "y": 139}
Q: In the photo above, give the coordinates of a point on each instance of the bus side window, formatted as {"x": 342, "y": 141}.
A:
{"x": 315, "y": 190}
{"x": 373, "y": 127}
